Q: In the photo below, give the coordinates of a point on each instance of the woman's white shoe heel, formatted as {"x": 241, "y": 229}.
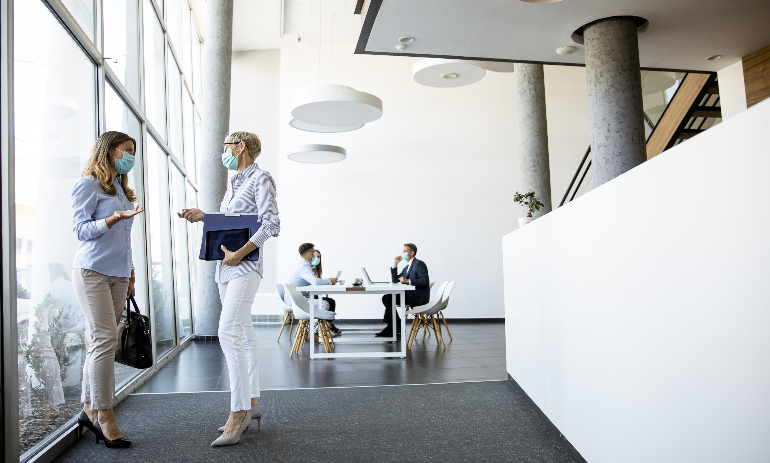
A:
{"x": 256, "y": 414}
{"x": 224, "y": 441}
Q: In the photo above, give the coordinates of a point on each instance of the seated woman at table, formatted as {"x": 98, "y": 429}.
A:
{"x": 303, "y": 275}
{"x": 318, "y": 271}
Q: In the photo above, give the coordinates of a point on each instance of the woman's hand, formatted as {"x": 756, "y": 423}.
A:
{"x": 131, "y": 290}
{"x": 191, "y": 215}
{"x": 122, "y": 215}
{"x": 232, "y": 258}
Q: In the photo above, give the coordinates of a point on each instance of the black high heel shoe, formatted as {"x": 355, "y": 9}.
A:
{"x": 85, "y": 421}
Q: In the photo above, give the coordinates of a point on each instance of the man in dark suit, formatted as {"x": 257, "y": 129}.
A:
{"x": 416, "y": 274}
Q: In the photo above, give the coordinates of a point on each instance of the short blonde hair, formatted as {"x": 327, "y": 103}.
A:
{"x": 251, "y": 140}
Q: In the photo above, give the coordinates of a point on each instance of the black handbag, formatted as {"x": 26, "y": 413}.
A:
{"x": 134, "y": 338}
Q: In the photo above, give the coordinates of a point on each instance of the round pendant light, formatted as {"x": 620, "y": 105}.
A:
{"x": 318, "y": 154}
{"x": 335, "y": 105}
{"x": 444, "y": 73}
{"x": 298, "y": 124}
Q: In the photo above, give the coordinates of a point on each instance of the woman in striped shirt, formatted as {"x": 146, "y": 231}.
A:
{"x": 250, "y": 191}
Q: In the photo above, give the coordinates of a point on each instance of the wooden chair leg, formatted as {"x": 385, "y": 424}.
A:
{"x": 295, "y": 345}
{"x": 283, "y": 325}
{"x": 445, "y": 325}
{"x": 411, "y": 331}
{"x": 292, "y": 325}
{"x": 324, "y": 335}
{"x": 329, "y": 333}
{"x": 425, "y": 327}
{"x": 438, "y": 325}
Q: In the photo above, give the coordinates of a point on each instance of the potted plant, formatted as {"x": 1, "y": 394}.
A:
{"x": 530, "y": 201}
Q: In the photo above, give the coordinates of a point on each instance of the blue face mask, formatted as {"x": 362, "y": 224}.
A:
{"x": 124, "y": 165}
{"x": 229, "y": 161}
{"x": 315, "y": 261}
{"x": 405, "y": 256}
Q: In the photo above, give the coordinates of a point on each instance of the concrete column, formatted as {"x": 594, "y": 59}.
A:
{"x": 533, "y": 133}
{"x": 215, "y": 122}
{"x": 614, "y": 97}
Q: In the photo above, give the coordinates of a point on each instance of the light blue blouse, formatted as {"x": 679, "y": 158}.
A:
{"x": 103, "y": 250}
{"x": 303, "y": 275}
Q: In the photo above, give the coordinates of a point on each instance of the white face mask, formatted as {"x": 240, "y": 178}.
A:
{"x": 405, "y": 255}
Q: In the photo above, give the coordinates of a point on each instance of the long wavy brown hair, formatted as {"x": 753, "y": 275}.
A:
{"x": 318, "y": 270}
{"x": 100, "y": 163}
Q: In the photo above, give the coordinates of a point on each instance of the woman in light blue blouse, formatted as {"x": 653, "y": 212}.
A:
{"x": 250, "y": 191}
{"x": 103, "y": 272}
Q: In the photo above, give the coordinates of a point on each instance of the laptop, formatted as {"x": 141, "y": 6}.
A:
{"x": 369, "y": 280}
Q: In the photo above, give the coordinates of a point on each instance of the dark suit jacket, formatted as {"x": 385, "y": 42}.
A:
{"x": 418, "y": 276}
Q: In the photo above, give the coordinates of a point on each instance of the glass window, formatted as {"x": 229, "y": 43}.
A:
{"x": 197, "y": 80}
{"x": 55, "y": 128}
{"x": 83, "y": 12}
{"x": 121, "y": 42}
{"x": 186, "y": 42}
{"x": 194, "y": 231}
{"x": 175, "y": 110}
{"x": 197, "y": 167}
{"x": 174, "y": 24}
{"x": 189, "y": 136}
{"x": 181, "y": 256}
{"x": 154, "y": 70}
{"x": 119, "y": 117}
{"x": 160, "y": 248}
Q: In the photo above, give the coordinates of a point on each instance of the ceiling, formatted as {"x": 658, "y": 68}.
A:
{"x": 681, "y": 33}
{"x": 257, "y": 23}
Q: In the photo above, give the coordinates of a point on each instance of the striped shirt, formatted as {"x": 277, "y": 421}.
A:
{"x": 251, "y": 191}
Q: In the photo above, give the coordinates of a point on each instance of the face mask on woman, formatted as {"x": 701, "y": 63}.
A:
{"x": 315, "y": 261}
{"x": 228, "y": 160}
{"x": 125, "y": 164}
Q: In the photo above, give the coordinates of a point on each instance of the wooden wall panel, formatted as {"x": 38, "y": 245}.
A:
{"x": 683, "y": 99}
{"x": 756, "y": 76}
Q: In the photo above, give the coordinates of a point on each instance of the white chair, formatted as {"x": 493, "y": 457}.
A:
{"x": 423, "y": 315}
{"x": 287, "y": 309}
{"x": 444, "y": 303}
{"x": 301, "y": 309}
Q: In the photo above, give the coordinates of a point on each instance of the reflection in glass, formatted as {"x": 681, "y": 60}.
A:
{"x": 55, "y": 130}
{"x": 160, "y": 248}
{"x": 119, "y": 117}
{"x": 154, "y": 68}
{"x": 175, "y": 110}
{"x": 189, "y": 136}
{"x": 194, "y": 231}
{"x": 181, "y": 256}
{"x": 83, "y": 12}
{"x": 121, "y": 42}
{"x": 197, "y": 169}
{"x": 658, "y": 88}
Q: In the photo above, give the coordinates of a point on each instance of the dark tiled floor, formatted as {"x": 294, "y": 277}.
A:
{"x": 477, "y": 353}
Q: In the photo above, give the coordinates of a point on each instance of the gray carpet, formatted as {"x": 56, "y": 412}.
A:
{"x": 488, "y": 421}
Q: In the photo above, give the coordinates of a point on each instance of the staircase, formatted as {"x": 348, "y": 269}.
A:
{"x": 693, "y": 108}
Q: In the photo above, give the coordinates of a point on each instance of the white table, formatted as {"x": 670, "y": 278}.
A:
{"x": 392, "y": 288}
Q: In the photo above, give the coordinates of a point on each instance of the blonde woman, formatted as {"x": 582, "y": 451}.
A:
{"x": 103, "y": 272}
{"x": 250, "y": 191}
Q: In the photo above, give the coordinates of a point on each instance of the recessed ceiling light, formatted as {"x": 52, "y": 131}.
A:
{"x": 449, "y": 75}
{"x": 566, "y": 50}
{"x": 406, "y": 39}
{"x": 713, "y": 57}
{"x": 400, "y": 47}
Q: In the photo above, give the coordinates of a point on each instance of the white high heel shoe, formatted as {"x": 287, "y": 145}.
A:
{"x": 223, "y": 441}
{"x": 256, "y": 414}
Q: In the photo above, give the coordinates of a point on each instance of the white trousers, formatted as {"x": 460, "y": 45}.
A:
{"x": 239, "y": 340}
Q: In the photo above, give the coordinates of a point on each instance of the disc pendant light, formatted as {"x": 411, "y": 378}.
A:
{"x": 444, "y": 73}
{"x": 318, "y": 154}
{"x": 332, "y": 105}
{"x": 298, "y": 124}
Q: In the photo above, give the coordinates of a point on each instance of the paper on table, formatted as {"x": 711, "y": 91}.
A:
{"x": 338, "y": 274}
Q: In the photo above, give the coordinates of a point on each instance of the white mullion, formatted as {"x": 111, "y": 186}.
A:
{"x": 72, "y": 26}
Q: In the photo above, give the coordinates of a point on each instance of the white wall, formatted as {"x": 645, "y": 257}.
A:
{"x": 732, "y": 90}
{"x": 637, "y": 316}
{"x": 438, "y": 169}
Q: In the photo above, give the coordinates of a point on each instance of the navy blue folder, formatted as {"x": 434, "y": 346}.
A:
{"x": 230, "y": 230}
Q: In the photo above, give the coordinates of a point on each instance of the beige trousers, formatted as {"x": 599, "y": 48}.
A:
{"x": 102, "y": 299}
